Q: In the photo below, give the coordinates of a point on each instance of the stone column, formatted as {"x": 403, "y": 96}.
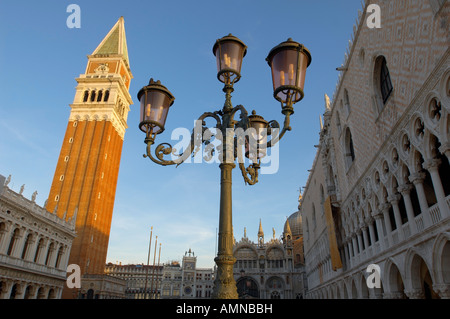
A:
{"x": 369, "y": 221}
{"x": 433, "y": 167}
{"x": 53, "y": 255}
{"x": 19, "y": 243}
{"x": 64, "y": 258}
{"x": 349, "y": 250}
{"x": 355, "y": 252}
{"x": 20, "y": 290}
{"x": 29, "y": 246}
{"x": 33, "y": 292}
{"x": 6, "y": 289}
{"x": 42, "y": 251}
{"x": 364, "y": 228}
{"x": 379, "y": 223}
{"x": 16, "y": 238}
{"x": 34, "y": 248}
{"x": 405, "y": 190}
{"x": 387, "y": 222}
{"x": 417, "y": 179}
{"x": 359, "y": 237}
{"x": 5, "y": 236}
{"x": 346, "y": 254}
{"x": 394, "y": 199}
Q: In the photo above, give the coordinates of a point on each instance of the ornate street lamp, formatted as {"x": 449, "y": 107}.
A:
{"x": 288, "y": 62}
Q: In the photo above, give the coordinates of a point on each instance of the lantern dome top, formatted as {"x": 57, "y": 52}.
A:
{"x": 289, "y": 43}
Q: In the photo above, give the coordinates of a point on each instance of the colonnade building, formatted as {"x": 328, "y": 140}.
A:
{"x": 34, "y": 247}
{"x": 379, "y": 189}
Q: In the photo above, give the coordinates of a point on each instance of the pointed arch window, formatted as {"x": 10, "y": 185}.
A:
{"x": 346, "y": 102}
{"x": 349, "y": 148}
{"x": 338, "y": 123}
{"x": 385, "y": 81}
{"x": 314, "y": 216}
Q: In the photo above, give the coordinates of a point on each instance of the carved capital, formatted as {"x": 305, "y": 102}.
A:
{"x": 368, "y": 220}
{"x": 443, "y": 290}
{"x": 377, "y": 214}
{"x": 384, "y": 208}
{"x": 405, "y": 188}
{"x": 433, "y": 164}
{"x": 415, "y": 294}
{"x": 417, "y": 178}
{"x": 394, "y": 199}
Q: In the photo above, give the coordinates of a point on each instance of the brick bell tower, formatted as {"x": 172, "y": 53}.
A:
{"x": 85, "y": 179}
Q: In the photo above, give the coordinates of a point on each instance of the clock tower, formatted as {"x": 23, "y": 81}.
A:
{"x": 189, "y": 275}
{"x": 84, "y": 184}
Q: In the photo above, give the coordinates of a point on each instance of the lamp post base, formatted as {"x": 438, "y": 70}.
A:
{"x": 224, "y": 284}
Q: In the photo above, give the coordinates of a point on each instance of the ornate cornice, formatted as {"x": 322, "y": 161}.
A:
{"x": 85, "y": 113}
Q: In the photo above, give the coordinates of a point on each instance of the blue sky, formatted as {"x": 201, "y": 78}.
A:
{"x": 171, "y": 41}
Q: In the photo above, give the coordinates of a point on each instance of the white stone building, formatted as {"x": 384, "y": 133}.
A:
{"x": 34, "y": 247}
{"x": 379, "y": 188}
{"x": 168, "y": 281}
{"x": 271, "y": 269}
{"x": 139, "y": 278}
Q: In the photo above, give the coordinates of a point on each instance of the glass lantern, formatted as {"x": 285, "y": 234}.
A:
{"x": 288, "y": 62}
{"x": 229, "y": 52}
{"x": 155, "y": 101}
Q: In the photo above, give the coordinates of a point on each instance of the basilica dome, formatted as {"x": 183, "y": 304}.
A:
{"x": 295, "y": 224}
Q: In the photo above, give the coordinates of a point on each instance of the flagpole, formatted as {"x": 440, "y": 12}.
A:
{"x": 148, "y": 262}
{"x": 159, "y": 255}
{"x": 153, "y": 271}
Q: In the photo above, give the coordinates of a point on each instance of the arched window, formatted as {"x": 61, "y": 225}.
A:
{"x": 383, "y": 83}
{"x": 58, "y": 257}
{"x": 346, "y": 102}
{"x": 306, "y": 229}
{"x": 2, "y": 232}
{"x": 38, "y": 250}
{"x": 49, "y": 254}
{"x": 90, "y": 294}
{"x": 13, "y": 292}
{"x": 25, "y": 248}
{"x": 93, "y": 96}
{"x": 322, "y": 199}
{"x": 349, "y": 148}
{"x": 106, "y": 96}
{"x": 14, "y": 238}
{"x": 86, "y": 96}
{"x": 313, "y": 216}
{"x": 100, "y": 95}
{"x": 338, "y": 123}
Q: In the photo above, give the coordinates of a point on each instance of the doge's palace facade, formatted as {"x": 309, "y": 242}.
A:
{"x": 379, "y": 188}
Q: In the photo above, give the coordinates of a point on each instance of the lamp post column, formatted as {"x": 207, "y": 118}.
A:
{"x": 224, "y": 284}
